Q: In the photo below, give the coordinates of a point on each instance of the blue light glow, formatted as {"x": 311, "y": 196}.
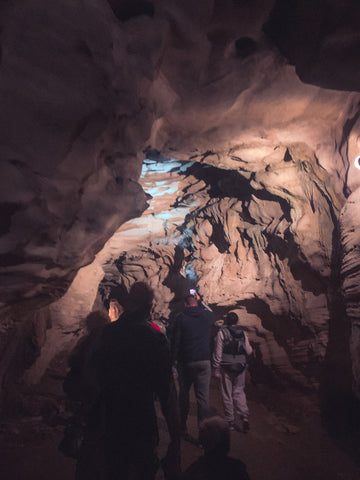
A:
{"x": 162, "y": 222}
{"x": 191, "y": 273}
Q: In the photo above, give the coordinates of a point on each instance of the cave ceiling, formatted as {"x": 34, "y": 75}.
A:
{"x": 247, "y": 116}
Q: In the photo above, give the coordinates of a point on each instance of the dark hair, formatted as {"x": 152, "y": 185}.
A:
{"x": 231, "y": 318}
{"x": 95, "y": 320}
{"x": 214, "y": 436}
{"x": 140, "y": 296}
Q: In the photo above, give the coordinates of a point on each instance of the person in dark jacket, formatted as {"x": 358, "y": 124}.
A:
{"x": 191, "y": 355}
{"x": 133, "y": 365}
{"x": 229, "y": 361}
{"x": 83, "y": 426}
{"x": 83, "y": 432}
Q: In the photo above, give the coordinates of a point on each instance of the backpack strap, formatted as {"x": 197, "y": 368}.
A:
{"x": 234, "y": 355}
{"x": 227, "y": 334}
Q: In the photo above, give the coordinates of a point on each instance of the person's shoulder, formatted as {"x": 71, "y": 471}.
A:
{"x": 155, "y": 340}
{"x": 196, "y": 471}
{"x": 208, "y": 314}
{"x": 155, "y": 331}
{"x": 108, "y": 334}
{"x": 147, "y": 330}
{"x": 112, "y": 327}
{"x": 180, "y": 317}
{"x": 106, "y": 330}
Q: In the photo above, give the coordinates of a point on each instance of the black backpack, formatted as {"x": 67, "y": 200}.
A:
{"x": 234, "y": 354}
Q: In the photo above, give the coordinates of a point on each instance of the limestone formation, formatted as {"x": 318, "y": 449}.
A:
{"x": 350, "y": 237}
{"x": 248, "y": 116}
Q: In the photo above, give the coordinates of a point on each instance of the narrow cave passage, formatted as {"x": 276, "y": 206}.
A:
{"x": 248, "y": 114}
{"x": 217, "y": 230}
{"x": 210, "y": 228}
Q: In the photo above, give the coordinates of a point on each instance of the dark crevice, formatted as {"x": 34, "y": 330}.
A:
{"x": 222, "y": 183}
{"x": 7, "y": 210}
{"x": 301, "y": 270}
{"x": 289, "y": 24}
{"x": 245, "y": 47}
{"x": 287, "y": 156}
{"x": 126, "y": 9}
{"x": 11, "y": 259}
{"x": 218, "y": 238}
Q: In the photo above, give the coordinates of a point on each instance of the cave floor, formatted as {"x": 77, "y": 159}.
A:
{"x": 286, "y": 441}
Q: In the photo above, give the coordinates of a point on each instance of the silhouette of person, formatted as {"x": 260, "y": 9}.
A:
{"x": 215, "y": 464}
{"x": 133, "y": 365}
{"x": 81, "y": 434}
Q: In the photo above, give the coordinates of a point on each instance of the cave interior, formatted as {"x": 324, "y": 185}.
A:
{"x": 212, "y": 145}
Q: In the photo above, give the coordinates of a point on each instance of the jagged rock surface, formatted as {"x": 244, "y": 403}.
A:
{"x": 244, "y": 250}
{"x": 350, "y": 233}
{"x": 215, "y": 83}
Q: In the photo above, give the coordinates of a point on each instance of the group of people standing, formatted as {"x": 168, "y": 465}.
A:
{"x": 193, "y": 356}
{"x": 131, "y": 363}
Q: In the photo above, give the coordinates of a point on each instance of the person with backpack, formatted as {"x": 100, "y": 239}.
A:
{"x": 229, "y": 361}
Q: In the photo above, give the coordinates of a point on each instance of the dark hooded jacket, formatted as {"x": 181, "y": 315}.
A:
{"x": 191, "y": 340}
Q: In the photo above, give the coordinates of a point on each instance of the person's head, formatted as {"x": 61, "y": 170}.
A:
{"x": 140, "y": 297}
{"x": 231, "y": 318}
{"x": 214, "y": 435}
{"x": 95, "y": 320}
{"x": 191, "y": 301}
{"x": 115, "y": 309}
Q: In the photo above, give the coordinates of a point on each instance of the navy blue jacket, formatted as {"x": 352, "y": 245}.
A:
{"x": 191, "y": 340}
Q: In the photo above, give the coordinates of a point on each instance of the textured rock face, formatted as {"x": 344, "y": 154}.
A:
{"x": 243, "y": 249}
{"x": 350, "y": 219}
{"x": 64, "y": 161}
{"x": 320, "y": 38}
{"x": 253, "y": 219}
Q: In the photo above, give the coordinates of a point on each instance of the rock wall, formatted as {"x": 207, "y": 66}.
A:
{"x": 243, "y": 249}
{"x": 216, "y": 83}
{"x": 66, "y": 158}
{"x": 350, "y": 220}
